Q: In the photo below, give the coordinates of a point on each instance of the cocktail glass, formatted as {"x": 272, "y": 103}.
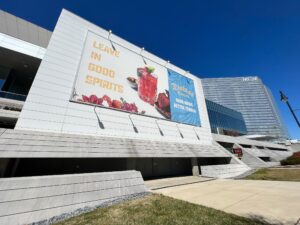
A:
{"x": 147, "y": 85}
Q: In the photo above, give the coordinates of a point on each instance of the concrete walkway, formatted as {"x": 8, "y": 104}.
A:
{"x": 174, "y": 181}
{"x": 273, "y": 201}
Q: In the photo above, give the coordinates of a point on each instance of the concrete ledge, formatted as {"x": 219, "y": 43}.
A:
{"x": 31, "y": 199}
{"x": 35, "y": 144}
{"x": 271, "y": 164}
{"x": 278, "y": 155}
{"x": 224, "y": 171}
{"x": 246, "y": 141}
{"x": 257, "y": 152}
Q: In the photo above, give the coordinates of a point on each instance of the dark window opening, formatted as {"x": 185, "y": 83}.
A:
{"x": 245, "y": 146}
{"x": 278, "y": 149}
{"x": 17, "y": 72}
{"x": 149, "y": 167}
{"x": 226, "y": 145}
{"x": 266, "y": 159}
{"x": 205, "y": 161}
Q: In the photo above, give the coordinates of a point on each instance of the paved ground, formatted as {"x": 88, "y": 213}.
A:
{"x": 286, "y": 167}
{"x": 172, "y": 182}
{"x": 274, "y": 201}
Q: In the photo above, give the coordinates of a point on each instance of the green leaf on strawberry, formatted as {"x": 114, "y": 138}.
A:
{"x": 150, "y": 69}
{"x": 123, "y": 100}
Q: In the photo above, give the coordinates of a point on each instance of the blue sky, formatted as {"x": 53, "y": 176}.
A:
{"x": 209, "y": 38}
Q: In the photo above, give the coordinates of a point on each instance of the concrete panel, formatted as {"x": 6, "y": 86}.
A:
{"x": 21, "y": 46}
{"x": 257, "y": 152}
{"x": 245, "y": 141}
{"x": 295, "y": 147}
{"x": 11, "y": 25}
{"x": 31, "y": 199}
{"x": 277, "y": 155}
{"x": 22, "y": 27}
{"x": 251, "y": 160}
{"x": 223, "y": 171}
{"x": 32, "y": 144}
{"x": 3, "y": 25}
{"x": 61, "y": 60}
{"x": 23, "y": 30}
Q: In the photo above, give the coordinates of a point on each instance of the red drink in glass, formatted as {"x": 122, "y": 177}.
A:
{"x": 147, "y": 86}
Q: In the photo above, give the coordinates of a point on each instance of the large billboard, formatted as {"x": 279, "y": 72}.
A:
{"x": 110, "y": 75}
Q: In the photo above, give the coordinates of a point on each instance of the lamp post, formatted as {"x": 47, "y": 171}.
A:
{"x": 283, "y": 98}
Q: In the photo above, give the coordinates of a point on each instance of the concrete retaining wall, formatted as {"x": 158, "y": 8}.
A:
{"x": 278, "y": 155}
{"x": 295, "y": 147}
{"x": 257, "y": 152}
{"x": 245, "y": 141}
{"x": 30, "y": 199}
{"x": 224, "y": 171}
{"x": 251, "y": 160}
{"x": 270, "y": 164}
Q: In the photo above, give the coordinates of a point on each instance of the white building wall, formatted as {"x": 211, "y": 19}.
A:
{"x": 21, "y": 46}
{"x": 23, "y": 30}
{"x": 48, "y": 108}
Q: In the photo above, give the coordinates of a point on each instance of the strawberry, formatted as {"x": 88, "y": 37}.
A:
{"x": 93, "y": 99}
{"x": 106, "y": 98}
{"x": 142, "y": 71}
{"x": 109, "y": 103}
{"x": 163, "y": 102}
{"x": 134, "y": 108}
{"x": 99, "y": 102}
{"x": 127, "y": 106}
{"x": 117, "y": 104}
{"x": 85, "y": 98}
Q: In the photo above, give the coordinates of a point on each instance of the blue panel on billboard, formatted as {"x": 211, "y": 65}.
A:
{"x": 184, "y": 108}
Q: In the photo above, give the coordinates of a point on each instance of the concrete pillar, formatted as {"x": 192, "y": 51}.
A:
{"x": 195, "y": 167}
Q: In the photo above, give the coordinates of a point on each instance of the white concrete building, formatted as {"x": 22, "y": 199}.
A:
{"x": 53, "y": 124}
{"x": 50, "y": 124}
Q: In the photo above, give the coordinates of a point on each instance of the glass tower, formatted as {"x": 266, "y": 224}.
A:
{"x": 224, "y": 120}
{"x": 253, "y": 99}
